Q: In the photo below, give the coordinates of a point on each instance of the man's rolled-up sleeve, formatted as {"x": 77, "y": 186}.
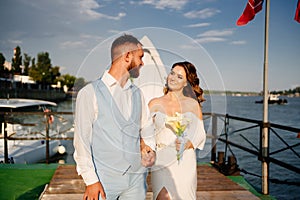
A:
{"x": 84, "y": 118}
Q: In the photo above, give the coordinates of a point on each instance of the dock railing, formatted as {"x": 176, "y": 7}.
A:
{"x": 229, "y": 134}
{"x": 48, "y": 126}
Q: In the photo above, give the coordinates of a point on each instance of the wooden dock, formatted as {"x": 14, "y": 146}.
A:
{"x": 66, "y": 184}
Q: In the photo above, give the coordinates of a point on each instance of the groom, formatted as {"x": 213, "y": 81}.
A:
{"x": 114, "y": 136}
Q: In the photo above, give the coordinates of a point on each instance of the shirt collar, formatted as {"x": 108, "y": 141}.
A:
{"x": 110, "y": 81}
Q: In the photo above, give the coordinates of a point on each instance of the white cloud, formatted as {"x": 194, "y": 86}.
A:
{"x": 214, "y": 36}
{"x": 238, "y": 42}
{"x": 73, "y": 10}
{"x": 164, "y": 4}
{"x": 202, "y": 14}
{"x": 88, "y": 36}
{"x": 186, "y": 46}
{"x": 72, "y": 44}
{"x": 96, "y": 15}
{"x": 113, "y": 31}
{"x": 89, "y": 10}
{"x": 198, "y": 25}
{"x": 216, "y": 33}
{"x": 210, "y": 39}
{"x": 83, "y": 41}
{"x": 15, "y": 42}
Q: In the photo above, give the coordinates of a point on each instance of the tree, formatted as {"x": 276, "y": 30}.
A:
{"x": 16, "y": 61}
{"x": 4, "y": 72}
{"x": 79, "y": 83}
{"x": 33, "y": 63}
{"x": 55, "y": 74}
{"x": 33, "y": 72}
{"x": 41, "y": 71}
{"x": 26, "y": 63}
{"x": 297, "y": 89}
{"x": 2, "y": 61}
{"x": 68, "y": 80}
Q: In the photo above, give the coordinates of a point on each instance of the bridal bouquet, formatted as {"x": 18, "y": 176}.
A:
{"x": 178, "y": 124}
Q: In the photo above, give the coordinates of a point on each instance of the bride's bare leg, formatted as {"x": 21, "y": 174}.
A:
{"x": 163, "y": 195}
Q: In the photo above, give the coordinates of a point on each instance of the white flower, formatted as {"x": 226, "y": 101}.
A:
{"x": 178, "y": 124}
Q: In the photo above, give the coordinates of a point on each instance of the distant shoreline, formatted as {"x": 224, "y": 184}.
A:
{"x": 240, "y": 93}
{"x": 57, "y": 95}
{"x": 230, "y": 93}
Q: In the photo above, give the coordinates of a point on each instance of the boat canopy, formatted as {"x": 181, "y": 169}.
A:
{"x": 19, "y": 104}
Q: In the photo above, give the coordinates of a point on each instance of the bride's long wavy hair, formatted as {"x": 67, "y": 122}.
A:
{"x": 192, "y": 89}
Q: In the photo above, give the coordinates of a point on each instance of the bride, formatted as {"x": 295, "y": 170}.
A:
{"x": 174, "y": 175}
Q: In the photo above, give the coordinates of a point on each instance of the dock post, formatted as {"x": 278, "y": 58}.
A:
{"x": 214, "y": 139}
{"x": 5, "y": 143}
{"x": 221, "y": 159}
{"x": 47, "y": 138}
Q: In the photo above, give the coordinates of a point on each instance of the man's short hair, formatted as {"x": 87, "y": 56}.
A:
{"x": 125, "y": 39}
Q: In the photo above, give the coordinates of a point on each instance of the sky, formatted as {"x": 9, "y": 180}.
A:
{"x": 78, "y": 33}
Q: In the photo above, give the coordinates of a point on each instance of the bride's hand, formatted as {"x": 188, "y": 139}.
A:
{"x": 188, "y": 144}
{"x": 148, "y": 156}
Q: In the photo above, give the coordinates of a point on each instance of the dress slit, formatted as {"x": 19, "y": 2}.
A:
{"x": 167, "y": 193}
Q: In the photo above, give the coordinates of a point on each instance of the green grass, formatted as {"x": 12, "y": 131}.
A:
{"x": 24, "y": 182}
{"x": 27, "y": 182}
{"x": 242, "y": 182}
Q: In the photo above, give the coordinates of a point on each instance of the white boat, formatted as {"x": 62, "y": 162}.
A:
{"x": 274, "y": 99}
{"x": 29, "y": 127}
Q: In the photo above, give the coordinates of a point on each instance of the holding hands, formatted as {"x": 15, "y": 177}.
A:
{"x": 148, "y": 156}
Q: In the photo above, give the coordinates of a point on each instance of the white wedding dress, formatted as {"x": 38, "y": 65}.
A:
{"x": 178, "y": 178}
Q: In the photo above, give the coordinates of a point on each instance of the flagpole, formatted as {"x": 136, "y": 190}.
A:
{"x": 265, "y": 129}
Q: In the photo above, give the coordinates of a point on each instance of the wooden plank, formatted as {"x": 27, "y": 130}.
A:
{"x": 228, "y": 195}
{"x": 62, "y": 196}
{"x": 66, "y": 184}
{"x": 209, "y": 179}
{"x": 66, "y": 181}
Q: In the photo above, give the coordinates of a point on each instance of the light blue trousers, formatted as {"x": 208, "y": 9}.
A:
{"x": 129, "y": 186}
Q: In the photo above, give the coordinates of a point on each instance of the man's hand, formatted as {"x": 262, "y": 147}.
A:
{"x": 92, "y": 192}
{"x": 148, "y": 156}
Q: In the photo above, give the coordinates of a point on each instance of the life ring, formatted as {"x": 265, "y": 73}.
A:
{"x": 50, "y": 117}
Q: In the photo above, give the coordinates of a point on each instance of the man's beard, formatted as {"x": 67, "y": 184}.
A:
{"x": 134, "y": 70}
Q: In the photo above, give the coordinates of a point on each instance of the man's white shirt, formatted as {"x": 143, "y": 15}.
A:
{"x": 86, "y": 113}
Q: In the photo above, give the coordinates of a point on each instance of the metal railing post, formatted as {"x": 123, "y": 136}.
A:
{"x": 226, "y": 126}
{"x": 5, "y": 143}
{"x": 47, "y": 138}
{"x": 214, "y": 138}
{"x": 264, "y": 156}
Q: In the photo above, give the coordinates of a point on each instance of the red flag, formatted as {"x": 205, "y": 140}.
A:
{"x": 252, "y": 7}
{"x": 297, "y": 15}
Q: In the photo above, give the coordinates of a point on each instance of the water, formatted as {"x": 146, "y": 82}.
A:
{"x": 66, "y": 106}
{"x": 284, "y": 184}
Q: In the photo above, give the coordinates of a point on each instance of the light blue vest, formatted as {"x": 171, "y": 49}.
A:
{"x": 115, "y": 140}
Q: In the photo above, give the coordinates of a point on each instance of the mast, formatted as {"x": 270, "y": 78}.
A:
{"x": 265, "y": 129}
